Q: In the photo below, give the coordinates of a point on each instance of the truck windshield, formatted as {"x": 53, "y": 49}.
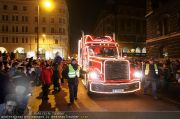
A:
{"x": 103, "y": 51}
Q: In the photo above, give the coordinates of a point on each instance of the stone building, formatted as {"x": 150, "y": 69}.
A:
{"x": 125, "y": 18}
{"x": 163, "y": 28}
{"x": 19, "y": 26}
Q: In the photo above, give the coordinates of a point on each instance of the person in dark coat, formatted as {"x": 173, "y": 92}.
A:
{"x": 6, "y": 88}
{"x": 151, "y": 78}
{"x": 55, "y": 78}
{"x": 72, "y": 74}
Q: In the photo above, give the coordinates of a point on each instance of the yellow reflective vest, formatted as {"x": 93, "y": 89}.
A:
{"x": 73, "y": 73}
{"x": 147, "y": 69}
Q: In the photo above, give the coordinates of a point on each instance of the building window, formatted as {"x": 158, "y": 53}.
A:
{"x": 26, "y": 18}
{"x": 16, "y": 28}
{"x": 6, "y": 39}
{"x": 44, "y": 29}
{"x": 5, "y": 7}
{"x": 17, "y": 18}
{"x": 26, "y": 40}
{"x": 23, "y": 18}
{"x": 13, "y": 29}
{"x": 63, "y": 31}
{"x": 3, "y": 29}
{"x": 22, "y": 40}
{"x": 52, "y": 20}
{"x": 64, "y": 21}
{"x": 13, "y": 18}
{"x": 13, "y": 40}
{"x": 56, "y": 41}
{"x": 166, "y": 27}
{"x": 6, "y": 28}
{"x": 24, "y": 8}
{"x": 4, "y": 17}
{"x": 52, "y": 30}
{"x": 22, "y": 28}
{"x": 3, "y": 40}
{"x": 15, "y": 7}
{"x": 26, "y": 29}
{"x": 16, "y": 40}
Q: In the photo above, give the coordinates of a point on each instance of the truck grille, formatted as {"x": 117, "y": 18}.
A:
{"x": 116, "y": 70}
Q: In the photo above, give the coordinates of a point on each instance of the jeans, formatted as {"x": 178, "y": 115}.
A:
{"x": 73, "y": 88}
{"x": 152, "y": 83}
{"x": 23, "y": 105}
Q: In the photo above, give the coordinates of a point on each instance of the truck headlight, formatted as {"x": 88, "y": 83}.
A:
{"x": 94, "y": 75}
{"x": 137, "y": 74}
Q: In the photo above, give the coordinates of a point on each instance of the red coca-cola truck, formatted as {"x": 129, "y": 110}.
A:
{"x": 103, "y": 70}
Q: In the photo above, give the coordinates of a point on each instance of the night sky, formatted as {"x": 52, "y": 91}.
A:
{"x": 83, "y": 15}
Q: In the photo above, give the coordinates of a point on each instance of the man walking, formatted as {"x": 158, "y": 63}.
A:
{"x": 151, "y": 77}
{"x": 72, "y": 72}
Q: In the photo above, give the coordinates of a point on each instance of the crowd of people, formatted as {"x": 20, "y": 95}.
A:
{"x": 158, "y": 74}
{"x": 17, "y": 77}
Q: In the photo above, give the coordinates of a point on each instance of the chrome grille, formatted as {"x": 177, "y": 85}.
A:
{"x": 116, "y": 70}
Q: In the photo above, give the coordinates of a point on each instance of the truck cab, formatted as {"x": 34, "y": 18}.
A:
{"x": 102, "y": 69}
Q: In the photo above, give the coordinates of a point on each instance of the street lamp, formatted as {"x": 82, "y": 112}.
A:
{"x": 49, "y": 6}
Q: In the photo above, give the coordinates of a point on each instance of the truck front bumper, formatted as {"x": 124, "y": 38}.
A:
{"x": 115, "y": 88}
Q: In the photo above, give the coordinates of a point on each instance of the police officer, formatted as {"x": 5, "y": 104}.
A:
{"x": 72, "y": 73}
{"x": 151, "y": 77}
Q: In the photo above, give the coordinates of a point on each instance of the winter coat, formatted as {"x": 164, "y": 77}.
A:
{"x": 46, "y": 75}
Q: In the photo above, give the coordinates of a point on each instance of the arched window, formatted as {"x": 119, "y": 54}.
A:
{"x": 144, "y": 50}
{"x": 125, "y": 50}
{"x": 138, "y": 50}
{"x": 2, "y": 49}
{"x": 19, "y": 50}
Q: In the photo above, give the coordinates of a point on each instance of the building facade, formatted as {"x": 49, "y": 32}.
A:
{"x": 127, "y": 20}
{"x": 19, "y": 28}
{"x": 163, "y": 28}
